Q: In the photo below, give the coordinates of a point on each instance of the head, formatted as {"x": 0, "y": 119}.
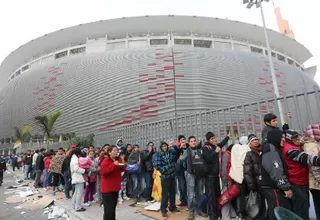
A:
{"x": 150, "y": 146}
{"x": 112, "y": 152}
{"x": 91, "y": 147}
{"x": 42, "y": 151}
{"x": 270, "y": 119}
{"x": 119, "y": 142}
{"x": 60, "y": 151}
{"x": 182, "y": 139}
{"x": 97, "y": 151}
{"x": 313, "y": 131}
{"x": 253, "y": 141}
{"x": 292, "y": 137}
{"x": 129, "y": 148}
{"x": 83, "y": 154}
{"x": 29, "y": 152}
{"x": 243, "y": 140}
{"x": 91, "y": 154}
{"x": 77, "y": 151}
{"x": 164, "y": 147}
{"x": 211, "y": 138}
{"x": 105, "y": 147}
{"x": 122, "y": 155}
{"x": 276, "y": 138}
{"x": 37, "y": 151}
{"x": 192, "y": 141}
{"x": 136, "y": 148}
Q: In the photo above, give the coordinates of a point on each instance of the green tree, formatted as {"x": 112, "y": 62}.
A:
{"x": 47, "y": 123}
{"x": 22, "y": 135}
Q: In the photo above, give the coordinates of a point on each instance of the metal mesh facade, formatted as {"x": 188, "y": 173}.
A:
{"x": 99, "y": 92}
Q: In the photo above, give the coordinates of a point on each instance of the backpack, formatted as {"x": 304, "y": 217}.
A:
{"x": 2, "y": 164}
{"x": 197, "y": 165}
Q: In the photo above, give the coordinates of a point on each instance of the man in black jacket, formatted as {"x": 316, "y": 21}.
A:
{"x": 275, "y": 185}
{"x": 180, "y": 171}
{"x": 39, "y": 167}
{"x": 27, "y": 159}
{"x": 3, "y": 167}
{"x": 211, "y": 155}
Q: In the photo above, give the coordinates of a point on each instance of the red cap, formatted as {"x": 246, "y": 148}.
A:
{"x": 73, "y": 146}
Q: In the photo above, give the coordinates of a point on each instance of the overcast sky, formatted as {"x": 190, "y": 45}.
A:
{"x": 24, "y": 20}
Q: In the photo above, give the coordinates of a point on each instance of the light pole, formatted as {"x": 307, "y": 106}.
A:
{"x": 258, "y": 4}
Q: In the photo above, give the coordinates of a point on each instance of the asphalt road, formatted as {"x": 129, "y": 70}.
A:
{"x": 8, "y": 212}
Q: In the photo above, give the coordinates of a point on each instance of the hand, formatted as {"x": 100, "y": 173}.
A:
{"x": 180, "y": 157}
{"x": 288, "y": 194}
{"x": 116, "y": 163}
{"x": 229, "y": 134}
{"x": 218, "y": 149}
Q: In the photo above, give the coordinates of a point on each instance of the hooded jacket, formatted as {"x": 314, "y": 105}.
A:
{"x": 122, "y": 146}
{"x": 76, "y": 171}
{"x": 238, "y": 154}
{"x": 274, "y": 171}
{"x": 165, "y": 162}
{"x": 134, "y": 158}
{"x": 27, "y": 159}
{"x": 268, "y": 128}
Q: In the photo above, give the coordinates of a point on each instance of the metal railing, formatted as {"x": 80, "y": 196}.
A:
{"x": 239, "y": 119}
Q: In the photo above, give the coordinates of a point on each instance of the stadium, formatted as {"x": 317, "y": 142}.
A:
{"x": 116, "y": 73}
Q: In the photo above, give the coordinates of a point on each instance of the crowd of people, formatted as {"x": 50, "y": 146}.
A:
{"x": 215, "y": 180}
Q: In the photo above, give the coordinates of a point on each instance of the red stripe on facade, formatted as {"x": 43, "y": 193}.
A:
{"x": 152, "y": 87}
{"x": 152, "y": 64}
{"x": 143, "y": 75}
{"x": 160, "y": 76}
{"x": 159, "y": 71}
{"x": 179, "y": 75}
{"x": 178, "y": 64}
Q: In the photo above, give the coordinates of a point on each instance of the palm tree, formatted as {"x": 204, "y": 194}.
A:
{"x": 47, "y": 123}
{"x": 22, "y": 134}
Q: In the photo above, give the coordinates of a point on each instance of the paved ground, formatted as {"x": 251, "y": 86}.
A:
{"x": 8, "y": 212}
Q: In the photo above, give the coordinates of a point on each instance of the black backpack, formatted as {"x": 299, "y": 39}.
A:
{"x": 197, "y": 165}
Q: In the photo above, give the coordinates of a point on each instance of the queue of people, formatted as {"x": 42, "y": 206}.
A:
{"x": 215, "y": 180}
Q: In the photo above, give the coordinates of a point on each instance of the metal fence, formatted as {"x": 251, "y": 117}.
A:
{"x": 239, "y": 119}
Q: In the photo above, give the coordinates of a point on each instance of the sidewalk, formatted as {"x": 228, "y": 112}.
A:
{"x": 93, "y": 212}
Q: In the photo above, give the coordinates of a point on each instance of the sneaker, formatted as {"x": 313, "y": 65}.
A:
{"x": 175, "y": 210}
{"x": 45, "y": 189}
{"x": 101, "y": 206}
{"x": 81, "y": 210}
{"x": 202, "y": 214}
{"x": 126, "y": 198}
{"x": 190, "y": 217}
{"x": 53, "y": 193}
{"x": 120, "y": 202}
{"x": 182, "y": 204}
{"x": 86, "y": 204}
{"x": 92, "y": 202}
{"x": 164, "y": 215}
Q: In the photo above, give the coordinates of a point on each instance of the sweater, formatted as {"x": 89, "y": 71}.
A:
{"x": 56, "y": 164}
{"x": 311, "y": 147}
{"x": 76, "y": 171}
{"x": 110, "y": 176}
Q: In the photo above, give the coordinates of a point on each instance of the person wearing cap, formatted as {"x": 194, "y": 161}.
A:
{"x": 3, "y": 168}
{"x": 252, "y": 170}
{"x": 275, "y": 185}
{"x": 166, "y": 164}
{"x": 298, "y": 161}
{"x": 39, "y": 167}
{"x": 312, "y": 146}
{"x": 211, "y": 155}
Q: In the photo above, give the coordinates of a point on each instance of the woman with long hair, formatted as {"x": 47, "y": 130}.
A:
{"x": 77, "y": 180}
{"x": 110, "y": 171}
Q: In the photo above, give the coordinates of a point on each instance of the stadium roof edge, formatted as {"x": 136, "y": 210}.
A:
{"x": 119, "y": 27}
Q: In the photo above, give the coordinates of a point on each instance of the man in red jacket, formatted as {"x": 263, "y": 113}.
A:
{"x": 297, "y": 162}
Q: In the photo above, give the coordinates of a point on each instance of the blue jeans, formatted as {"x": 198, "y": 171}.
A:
{"x": 67, "y": 182}
{"x": 26, "y": 171}
{"x": 135, "y": 179}
{"x": 98, "y": 183}
{"x": 46, "y": 177}
{"x": 33, "y": 172}
{"x": 195, "y": 187}
{"x": 142, "y": 182}
{"x": 182, "y": 187}
{"x": 149, "y": 181}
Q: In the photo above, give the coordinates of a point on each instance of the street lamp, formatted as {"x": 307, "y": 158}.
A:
{"x": 258, "y": 4}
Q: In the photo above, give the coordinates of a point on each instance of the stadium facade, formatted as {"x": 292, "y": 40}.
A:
{"x": 114, "y": 73}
